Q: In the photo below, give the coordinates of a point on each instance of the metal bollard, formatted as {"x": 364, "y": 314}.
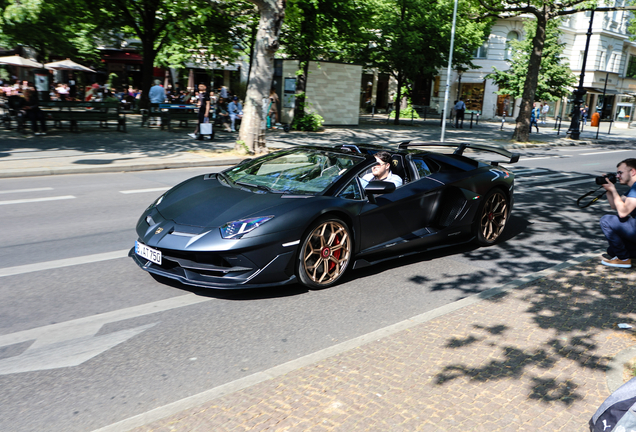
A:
{"x": 441, "y": 119}
{"x": 477, "y": 121}
{"x": 556, "y": 121}
{"x": 471, "y": 119}
{"x": 610, "y": 127}
{"x": 503, "y": 121}
{"x": 425, "y": 112}
{"x": 559, "y": 126}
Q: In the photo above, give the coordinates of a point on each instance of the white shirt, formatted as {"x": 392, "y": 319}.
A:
{"x": 545, "y": 109}
{"x": 393, "y": 178}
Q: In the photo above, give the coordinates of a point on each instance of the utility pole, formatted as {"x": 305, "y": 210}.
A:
{"x": 579, "y": 93}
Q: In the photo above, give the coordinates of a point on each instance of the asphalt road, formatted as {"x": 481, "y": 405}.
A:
{"x": 88, "y": 339}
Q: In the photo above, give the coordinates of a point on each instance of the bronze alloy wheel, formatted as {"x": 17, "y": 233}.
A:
{"x": 493, "y": 217}
{"x": 325, "y": 254}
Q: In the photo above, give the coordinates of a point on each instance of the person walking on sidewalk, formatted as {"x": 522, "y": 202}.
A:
{"x": 534, "y": 116}
{"x": 620, "y": 230}
{"x": 460, "y": 109}
{"x": 203, "y": 101}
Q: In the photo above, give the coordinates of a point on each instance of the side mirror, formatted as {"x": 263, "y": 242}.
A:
{"x": 378, "y": 188}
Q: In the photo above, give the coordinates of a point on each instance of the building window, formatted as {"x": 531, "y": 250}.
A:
{"x": 513, "y": 35}
{"x": 631, "y": 67}
{"x": 482, "y": 51}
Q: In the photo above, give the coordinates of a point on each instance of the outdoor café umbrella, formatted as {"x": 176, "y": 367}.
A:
{"x": 16, "y": 60}
{"x": 67, "y": 64}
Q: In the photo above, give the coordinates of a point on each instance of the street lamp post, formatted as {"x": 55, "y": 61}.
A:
{"x": 579, "y": 93}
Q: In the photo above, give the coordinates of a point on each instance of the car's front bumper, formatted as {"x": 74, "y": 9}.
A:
{"x": 215, "y": 270}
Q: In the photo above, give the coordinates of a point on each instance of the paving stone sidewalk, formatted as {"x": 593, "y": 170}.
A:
{"x": 98, "y": 150}
{"x": 534, "y": 358}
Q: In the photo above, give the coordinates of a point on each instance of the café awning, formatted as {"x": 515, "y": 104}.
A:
{"x": 17, "y": 60}
{"x": 67, "y": 64}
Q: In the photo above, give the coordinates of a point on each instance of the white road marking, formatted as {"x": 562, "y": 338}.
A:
{"x": 23, "y": 201}
{"x": 543, "y": 157}
{"x": 27, "y": 190}
{"x": 541, "y": 179}
{"x": 133, "y": 191}
{"x": 73, "y": 342}
{"x": 48, "y": 265}
{"x": 605, "y": 152}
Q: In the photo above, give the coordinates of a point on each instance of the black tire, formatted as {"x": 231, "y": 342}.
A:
{"x": 324, "y": 254}
{"x": 492, "y": 217}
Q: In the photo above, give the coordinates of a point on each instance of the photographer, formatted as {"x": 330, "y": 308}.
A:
{"x": 620, "y": 230}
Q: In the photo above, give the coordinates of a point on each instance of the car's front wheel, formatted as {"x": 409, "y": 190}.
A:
{"x": 492, "y": 217}
{"x": 324, "y": 254}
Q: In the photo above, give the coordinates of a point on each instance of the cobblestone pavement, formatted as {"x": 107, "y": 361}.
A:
{"x": 534, "y": 358}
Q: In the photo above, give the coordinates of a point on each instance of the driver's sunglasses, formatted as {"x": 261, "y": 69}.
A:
{"x": 380, "y": 163}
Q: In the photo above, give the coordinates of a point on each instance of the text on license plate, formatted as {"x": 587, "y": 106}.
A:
{"x": 147, "y": 252}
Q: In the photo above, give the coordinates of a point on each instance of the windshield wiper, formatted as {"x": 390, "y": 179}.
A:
{"x": 260, "y": 187}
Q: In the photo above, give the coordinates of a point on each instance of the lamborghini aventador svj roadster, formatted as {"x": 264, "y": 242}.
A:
{"x": 306, "y": 214}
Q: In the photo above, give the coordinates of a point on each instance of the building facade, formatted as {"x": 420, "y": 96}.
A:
{"x": 610, "y": 68}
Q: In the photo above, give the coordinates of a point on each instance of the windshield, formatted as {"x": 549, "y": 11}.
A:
{"x": 302, "y": 171}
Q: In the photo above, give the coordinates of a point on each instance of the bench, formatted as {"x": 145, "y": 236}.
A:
{"x": 10, "y": 107}
{"x": 178, "y": 112}
{"x": 74, "y": 112}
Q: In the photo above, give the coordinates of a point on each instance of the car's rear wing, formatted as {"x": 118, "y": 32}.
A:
{"x": 459, "y": 149}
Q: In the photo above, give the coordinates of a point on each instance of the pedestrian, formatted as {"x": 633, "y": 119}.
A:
{"x": 620, "y": 230}
{"x": 584, "y": 112}
{"x": 203, "y": 102}
{"x": 235, "y": 109}
{"x": 32, "y": 111}
{"x": 273, "y": 110}
{"x": 534, "y": 115}
{"x": 544, "y": 112}
{"x": 460, "y": 109}
{"x": 157, "y": 94}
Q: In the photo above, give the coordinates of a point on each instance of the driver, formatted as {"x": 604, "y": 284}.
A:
{"x": 621, "y": 230}
{"x": 382, "y": 171}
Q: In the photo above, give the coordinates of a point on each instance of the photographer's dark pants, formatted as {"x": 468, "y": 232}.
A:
{"x": 621, "y": 235}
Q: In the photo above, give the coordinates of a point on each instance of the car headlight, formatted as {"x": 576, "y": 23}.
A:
{"x": 236, "y": 229}
{"x": 156, "y": 202}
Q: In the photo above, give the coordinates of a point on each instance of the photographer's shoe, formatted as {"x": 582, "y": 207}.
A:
{"x": 617, "y": 262}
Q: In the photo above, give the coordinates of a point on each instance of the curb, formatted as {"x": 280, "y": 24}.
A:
{"x": 38, "y": 172}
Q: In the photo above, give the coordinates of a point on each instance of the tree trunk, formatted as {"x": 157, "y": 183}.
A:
{"x": 301, "y": 88}
{"x": 252, "y": 131}
{"x": 522, "y": 129}
{"x": 398, "y": 100}
{"x": 147, "y": 71}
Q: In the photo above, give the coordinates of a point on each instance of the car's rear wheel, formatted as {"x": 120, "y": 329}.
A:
{"x": 324, "y": 254}
{"x": 492, "y": 217}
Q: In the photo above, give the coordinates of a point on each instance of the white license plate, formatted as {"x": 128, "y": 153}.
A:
{"x": 147, "y": 252}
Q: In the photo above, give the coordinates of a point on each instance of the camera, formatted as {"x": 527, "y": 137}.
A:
{"x": 601, "y": 180}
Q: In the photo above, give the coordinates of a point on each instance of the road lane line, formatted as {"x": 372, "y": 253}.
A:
{"x": 27, "y": 190}
{"x": 133, "y": 191}
{"x": 605, "y": 152}
{"x": 292, "y": 365}
{"x": 88, "y": 325}
{"x": 24, "y": 201}
{"x": 67, "y": 262}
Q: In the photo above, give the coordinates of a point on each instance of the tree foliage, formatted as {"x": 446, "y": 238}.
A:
{"x": 321, "y": 30}
{"x": 543, "y": 11}
{"x": 555, "y": 76}
{"x": 56, "y": 27}
{"x": 411, "y": 38}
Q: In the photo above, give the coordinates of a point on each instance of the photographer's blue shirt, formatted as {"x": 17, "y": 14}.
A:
{"x": 631, "y": 193}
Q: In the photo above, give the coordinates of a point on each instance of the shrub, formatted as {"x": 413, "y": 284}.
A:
{"x": 309, "y": 122}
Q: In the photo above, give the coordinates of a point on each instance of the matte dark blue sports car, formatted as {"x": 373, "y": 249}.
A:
{"x": 306, "y": 214}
